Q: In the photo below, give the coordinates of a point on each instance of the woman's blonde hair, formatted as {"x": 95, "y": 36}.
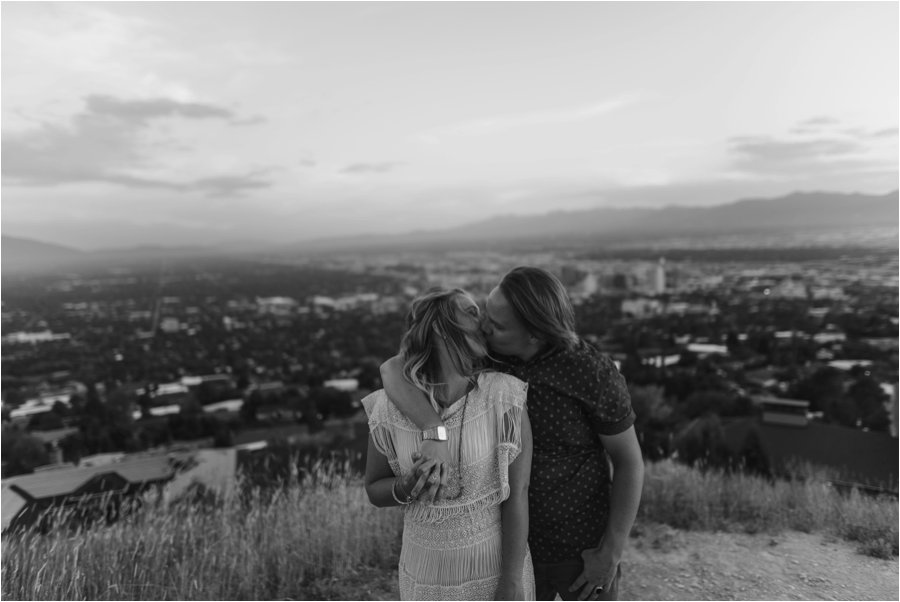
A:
{"x": 433, "y": 315}
{"x": 542, "y": 304}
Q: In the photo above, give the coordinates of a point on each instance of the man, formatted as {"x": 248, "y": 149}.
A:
{"x": 581, "y": 509}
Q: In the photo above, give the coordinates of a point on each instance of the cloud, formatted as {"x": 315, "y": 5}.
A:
{"x": 360, "y": 168}
{"x": 106, "y": 143}
{"x": 141, "y": 111}
{"x": 810, "y": 150}
{"x": 815, "y": 125}
{"x": 885, "y": 133}
{"x": 228, "y": 185}
{"x": 767, "y": 149}
{"x": 821, "y": 120}
{"x": 507, "y": 122}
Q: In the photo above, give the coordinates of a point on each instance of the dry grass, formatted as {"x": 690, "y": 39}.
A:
{"x": 321, "y": 539}
{"x": 261, "y": 548}
{"x": 711, "y": 500}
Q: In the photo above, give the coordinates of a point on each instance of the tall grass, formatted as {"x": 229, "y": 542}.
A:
{"x": 712, "y": 500}
{"x": 316, "y": 536}
{"x": 263, "y": 547}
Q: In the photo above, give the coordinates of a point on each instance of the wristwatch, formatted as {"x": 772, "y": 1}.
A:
{"x": 435, "y": 433}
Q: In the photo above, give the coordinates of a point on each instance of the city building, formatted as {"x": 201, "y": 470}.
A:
{"x": 659, "y": 277}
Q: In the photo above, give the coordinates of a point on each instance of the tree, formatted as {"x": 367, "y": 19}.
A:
{"x": 250, "y": 406}
{"x": 332, "y": 402}
{"x": 702, "y": 443}
{"x": 369, "y": 376}
{"x": 145, "y": 403}
{"x": 22, "y": 453}
{"x": 823, "y": 389}
{"x": 868, "y": 399}
{"x": 45, "y": 421}
{"x": 752, "y": 457}
{"x": 310, "y": 413}
{"x": 108, "y": 426}
{"x": 223, "y": 436}
{"x": 653, "y": 422}
{"x": 701, "y": 403}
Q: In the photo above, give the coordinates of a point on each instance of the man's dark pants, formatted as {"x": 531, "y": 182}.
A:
{"x": 556, "y": 578}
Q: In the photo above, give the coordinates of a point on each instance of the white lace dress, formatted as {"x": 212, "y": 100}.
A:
{"x": 452, "y": 549}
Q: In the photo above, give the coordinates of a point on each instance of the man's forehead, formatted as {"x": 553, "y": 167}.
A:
{"x": 496, "y": 305}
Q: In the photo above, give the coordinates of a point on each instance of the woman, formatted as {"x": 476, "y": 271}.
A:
{"x": 473, "y": 546}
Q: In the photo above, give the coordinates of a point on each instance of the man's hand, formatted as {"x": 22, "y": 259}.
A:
{"x": 438, "y": 453}
{"x": 599, "y": 571}
{"x": 510, "y": 589}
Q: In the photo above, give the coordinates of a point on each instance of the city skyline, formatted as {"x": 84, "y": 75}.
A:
{"x": 173, "y": 123}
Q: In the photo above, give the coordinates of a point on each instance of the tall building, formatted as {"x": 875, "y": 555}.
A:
{"x": 659, "y": 280}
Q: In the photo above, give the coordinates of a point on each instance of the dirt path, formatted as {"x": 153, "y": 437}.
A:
{"x": 667, "y": 564}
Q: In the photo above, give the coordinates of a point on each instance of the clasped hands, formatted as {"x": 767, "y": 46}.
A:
{"x": 431, "y": 470}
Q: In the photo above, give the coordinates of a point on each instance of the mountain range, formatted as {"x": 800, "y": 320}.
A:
{"x": 801, "y": 212}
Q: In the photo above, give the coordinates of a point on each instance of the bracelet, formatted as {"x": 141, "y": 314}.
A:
{"x": 396, "y": 497}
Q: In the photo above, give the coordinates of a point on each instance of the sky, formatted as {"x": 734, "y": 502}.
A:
{"x": 203, "y": 123}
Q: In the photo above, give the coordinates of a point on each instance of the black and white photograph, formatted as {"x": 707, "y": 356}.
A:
{"x": 450, "y": 300}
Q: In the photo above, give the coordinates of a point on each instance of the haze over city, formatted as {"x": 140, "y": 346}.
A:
{"x": 202, "y": 123}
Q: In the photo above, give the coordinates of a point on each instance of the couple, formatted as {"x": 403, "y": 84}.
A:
{"x": 487, "y": 488}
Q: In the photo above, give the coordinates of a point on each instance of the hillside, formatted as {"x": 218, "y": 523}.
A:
{"x": 794, "y": 220}
{"x": 785, "y": 216}
{"x": 21, "y": 254}
{"x": 662, "y": 563}
{"x": 798, "y": 211}
{"x": 26, "y": 255}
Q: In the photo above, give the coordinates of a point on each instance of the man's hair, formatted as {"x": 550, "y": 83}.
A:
{"x": 542, "y": 304}
{"x": 433, "y": 314}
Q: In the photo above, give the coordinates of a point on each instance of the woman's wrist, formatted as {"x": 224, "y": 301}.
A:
{"x": 400, "y": 494}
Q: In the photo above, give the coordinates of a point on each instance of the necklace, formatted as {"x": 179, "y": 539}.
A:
{"x": 453, "y": 488}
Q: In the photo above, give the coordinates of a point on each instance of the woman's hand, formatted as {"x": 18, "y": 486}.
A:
{"x": 510, "y": 589}
{"x": 438, "y": 453}
{"x": 417, "y": 481}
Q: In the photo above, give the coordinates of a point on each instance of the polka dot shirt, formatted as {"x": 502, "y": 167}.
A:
{"x": 573, "y": 397}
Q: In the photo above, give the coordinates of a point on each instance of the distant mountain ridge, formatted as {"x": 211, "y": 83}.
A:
{"x": 797, "y": 210}
{"x": 794, "y": 212}
{"x": 23, "y": 254}
{"x": 26, "y": 255}
{"x": 800, "y": 211}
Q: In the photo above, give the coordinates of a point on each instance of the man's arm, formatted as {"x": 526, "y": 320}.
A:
{"x": 601, "y": 563}
{"x": 514, "y": 517}
{"x": 414, "y": 404}
{"x": 411, "y": 402}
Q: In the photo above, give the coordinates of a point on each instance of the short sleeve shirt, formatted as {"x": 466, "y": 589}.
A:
{"x": 574, "y": 396}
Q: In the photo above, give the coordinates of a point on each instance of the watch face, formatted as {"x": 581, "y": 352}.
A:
{"x": 437, "y": 433}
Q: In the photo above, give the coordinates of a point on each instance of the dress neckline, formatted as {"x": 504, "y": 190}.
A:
{"x": 458, "y": 403}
